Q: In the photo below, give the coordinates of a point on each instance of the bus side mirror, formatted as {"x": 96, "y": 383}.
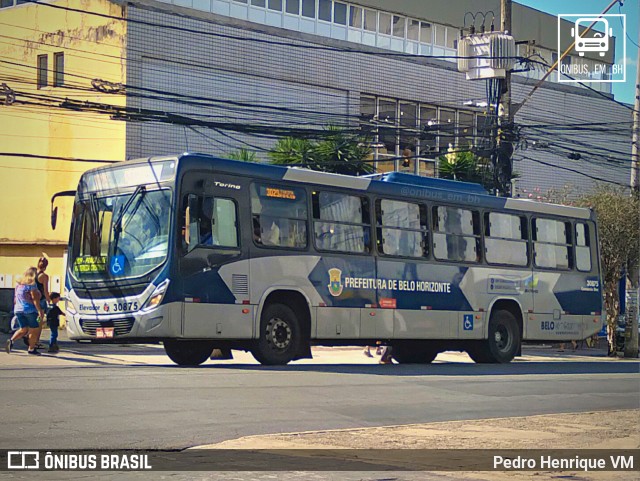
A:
{"x": 54, "y": 217}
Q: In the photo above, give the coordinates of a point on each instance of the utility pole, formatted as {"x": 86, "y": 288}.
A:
{"x": 505, "y": 26}
{"x": 631, "y": 338}
{"x": 504, "y": 142}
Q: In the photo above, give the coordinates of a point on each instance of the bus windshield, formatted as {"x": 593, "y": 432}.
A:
{"x": 120, "y": 236}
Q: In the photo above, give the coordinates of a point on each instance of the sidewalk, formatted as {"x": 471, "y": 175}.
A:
{"x": 86, "y": 353}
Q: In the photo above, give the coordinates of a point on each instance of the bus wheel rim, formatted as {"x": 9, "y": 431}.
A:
{"x": 279, "y": 333}
{"x": 502, "y": 338}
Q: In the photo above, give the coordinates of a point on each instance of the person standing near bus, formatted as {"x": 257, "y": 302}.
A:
{"x": 27, "y": 307}
{"x": 42, "y": 283}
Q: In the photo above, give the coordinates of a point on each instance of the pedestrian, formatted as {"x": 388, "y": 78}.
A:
{"x": 42, "y": 283}
{"x": 26, "y": 307}
{"x": 53, "y": 319}
{"x": 387, "y": 355}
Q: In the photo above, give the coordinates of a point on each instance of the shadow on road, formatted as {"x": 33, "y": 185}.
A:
{"x": 448, "y": 369}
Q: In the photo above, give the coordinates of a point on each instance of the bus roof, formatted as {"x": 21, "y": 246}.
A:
{"x": 394, "y": 183}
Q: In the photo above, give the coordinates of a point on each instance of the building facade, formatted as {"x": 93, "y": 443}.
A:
{"x": 107, "y": 80}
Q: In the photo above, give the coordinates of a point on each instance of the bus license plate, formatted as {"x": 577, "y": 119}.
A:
{"x": 104, "y": 332}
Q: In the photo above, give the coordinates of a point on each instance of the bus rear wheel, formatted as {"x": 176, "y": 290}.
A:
{"x": 280, "y": 336}
{"x": 503, "y": 343}
{"x": 188, "y": 353}
{"x": 412, "y": 352}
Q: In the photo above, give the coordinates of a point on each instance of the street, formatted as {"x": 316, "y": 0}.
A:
{"x": 102, "y": 396}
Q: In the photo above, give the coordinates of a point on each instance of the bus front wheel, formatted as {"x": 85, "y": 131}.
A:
{"x": 503, "y": 343}
{"x": 280, "y": 336}
{"x": 188, "y": 353}
{"x": 409, "y": 352}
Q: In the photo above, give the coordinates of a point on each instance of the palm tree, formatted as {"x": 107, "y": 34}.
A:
{"x": 243, "y": 155}
{"x": 339, "y": 152}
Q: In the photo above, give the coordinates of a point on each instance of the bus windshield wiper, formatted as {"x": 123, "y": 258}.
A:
{"x": 117, "y": 223}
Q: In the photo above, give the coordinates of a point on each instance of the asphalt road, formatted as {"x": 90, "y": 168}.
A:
{"x": 99, "y": 404}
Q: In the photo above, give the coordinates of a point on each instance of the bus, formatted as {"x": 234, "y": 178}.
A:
{"x": 199, "y": 252}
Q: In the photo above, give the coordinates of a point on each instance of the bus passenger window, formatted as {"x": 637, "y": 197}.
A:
{"x": 341, "y": 222}
{"x": 456, "y": 234}
{"x": 583, "y": 249}
{"x": 279, "y": 216}
{"x": 551, "y": 243}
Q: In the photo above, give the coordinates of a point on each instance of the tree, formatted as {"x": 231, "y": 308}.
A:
{"x": 618, "y": 217}
{"x": 243, "y": 155}
{"x": 339, "y": 152}
{"x": 466, "y": 167}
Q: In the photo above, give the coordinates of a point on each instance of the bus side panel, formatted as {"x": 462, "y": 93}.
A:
{"x": 282, "y": 272}
{"x": 566, "y": 305}
{"x": 484, "y": 286}
{"x": 426, "y": 297}
{"x": 348, "y": 283}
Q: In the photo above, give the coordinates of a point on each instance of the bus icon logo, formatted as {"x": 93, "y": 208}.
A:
{"x": 592, "y": 41}
{"x": 467, "y": 322}
{"x": 23, "y": 460}
{"x": 335, "y": 282}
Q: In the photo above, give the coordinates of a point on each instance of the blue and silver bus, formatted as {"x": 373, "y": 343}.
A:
{"x": 200, "y": 253}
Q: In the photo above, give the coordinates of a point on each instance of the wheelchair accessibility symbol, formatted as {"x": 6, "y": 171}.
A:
{"x": 116, "y": 266}
{"x": 467, "y": 323}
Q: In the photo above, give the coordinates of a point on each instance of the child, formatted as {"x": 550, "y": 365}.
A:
{"x": 53, "y": 319}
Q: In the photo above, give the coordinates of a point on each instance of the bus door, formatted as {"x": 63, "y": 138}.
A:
{"x": 214, "y": 267}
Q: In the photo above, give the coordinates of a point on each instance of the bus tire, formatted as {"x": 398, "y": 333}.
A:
{"x": 503, "y": 343}
{"x": 414, "y": 352}
{"x": 188, "y": 353}
{"x": 280, "y": 336}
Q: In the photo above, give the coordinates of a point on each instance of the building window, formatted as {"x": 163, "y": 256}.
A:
{"x": 293, "y": 6}
{"x": 42, "y": 71}
{"x": 398, "y": 26}
{"x": 340, "y": 13}
{"x": 385, "y": 23}
{"x": 309, "y": 8}
{"x": 275, "y": 5}
{"x": 58, "y": 69}
{"x": 355, "y": 17}
{"x": 324, "y": 10}
{"x": 370, "y": 17}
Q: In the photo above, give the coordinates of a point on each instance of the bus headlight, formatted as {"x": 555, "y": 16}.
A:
{"x": 156, "y": 296}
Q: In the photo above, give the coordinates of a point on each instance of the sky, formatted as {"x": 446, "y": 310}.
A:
{"x": 623, "y": 91}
